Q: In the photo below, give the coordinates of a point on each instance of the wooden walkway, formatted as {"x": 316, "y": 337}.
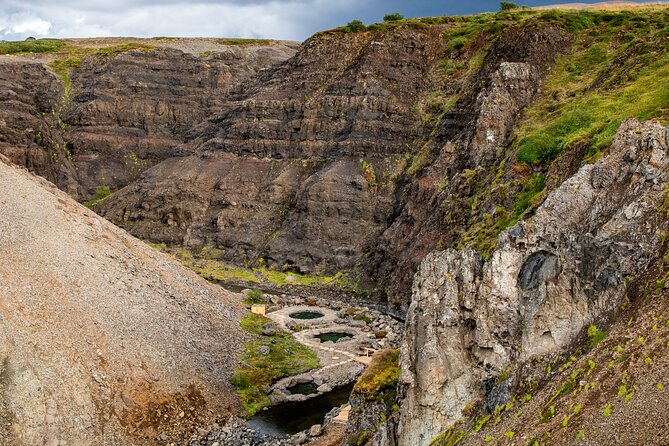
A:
{"x": 366, "y": 360}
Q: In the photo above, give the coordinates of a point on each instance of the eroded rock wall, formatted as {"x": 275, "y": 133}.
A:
{"x": 299, "y": 169}
{"x": 133, "y": 110}
{"x": 345, "y": 109}
{"x": 127, "y": 109}
{"x": 550, "y": 276}
{"x": 31, "y": 132}
{"x": 470, "y": 140}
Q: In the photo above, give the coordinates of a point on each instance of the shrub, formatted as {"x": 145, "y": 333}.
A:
{"x": 362, "y": 317}
{"x": 458, "y": 43}
{"x": 392, "y": 17}
{"x": 355, "y": 26}
{"x": 595, "y": 335}
{"x": 380, "y": 334}
{"x": 505, "y": 6}
{"x": 102, "y": 192}
{"x": 254, "y": 297}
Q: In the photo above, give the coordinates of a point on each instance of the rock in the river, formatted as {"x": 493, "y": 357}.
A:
{"x": 324, "y": 388}
{"x": 316, "y": 430}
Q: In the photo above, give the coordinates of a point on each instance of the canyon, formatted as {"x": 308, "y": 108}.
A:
{"x": 496, "y": 181}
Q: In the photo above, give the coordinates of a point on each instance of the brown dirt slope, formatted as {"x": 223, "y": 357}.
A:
{"x": 103, "y": 340}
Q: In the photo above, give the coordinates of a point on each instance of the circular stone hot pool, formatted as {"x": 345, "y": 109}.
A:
{"x": 333, "y": 336}
{"x": 306, "y": 315}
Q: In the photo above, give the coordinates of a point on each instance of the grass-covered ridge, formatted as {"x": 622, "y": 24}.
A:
{"x": 266, "y": 360}
{"x": 32, "y": 46}
{"x": 616, "y": 67}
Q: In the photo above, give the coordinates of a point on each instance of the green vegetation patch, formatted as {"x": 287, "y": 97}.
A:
{"x": 32, "y": 46}
{"x": 595, "y": 335}
{"x": 242, "y": 42}
{"x": 221, "y": 272}
{"x": 207, "y": 265}
{"x": 452, "y": 436}
{"x": 617, "y": 70}
{"x": 265, "y": 361}
{"x": 280, "y": 278}
{"x": 62, "y": 67}
{"x": 381, "y": 375}
{"x": 113, "y": 51}
{"x": 101, "y": 193}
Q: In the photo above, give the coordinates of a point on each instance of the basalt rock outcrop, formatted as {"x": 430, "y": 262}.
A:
{"x": 565, "y": 267}
{"x": 30, "y": 130}
{"x": 134, "y": 110}
{"x": 469, "y": 139}
{"x": 103, "y": 340}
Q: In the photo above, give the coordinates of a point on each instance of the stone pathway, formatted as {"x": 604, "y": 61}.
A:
{"x": 307, "y": 339}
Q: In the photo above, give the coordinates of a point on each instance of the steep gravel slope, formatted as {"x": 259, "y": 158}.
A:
{"x": 102, "y": 339}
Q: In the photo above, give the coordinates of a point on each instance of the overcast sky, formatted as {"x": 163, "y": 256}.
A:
{"x": 274, "y": 19}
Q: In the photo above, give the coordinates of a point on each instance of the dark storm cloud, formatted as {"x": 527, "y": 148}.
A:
{"x": 277, "y": 19}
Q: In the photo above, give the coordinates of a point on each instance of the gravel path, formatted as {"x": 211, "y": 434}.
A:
{"x": 308, "y": 340}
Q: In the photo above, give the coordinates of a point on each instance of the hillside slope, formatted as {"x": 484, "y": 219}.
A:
{"x": 103, "y": 340}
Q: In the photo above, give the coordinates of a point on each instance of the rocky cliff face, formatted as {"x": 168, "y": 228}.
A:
{"x": 568, "y": 266}
{"x": 131, "y": 111}
{"x": 30, "y": 130}
{"x": 129, "y": 106}
{"x": 362, "y": 152}
{"x": 103, "y": 339}
{"x": 297, "y": 170}
{"x": 470, "y": 139}
{"x": 308, "y": 169}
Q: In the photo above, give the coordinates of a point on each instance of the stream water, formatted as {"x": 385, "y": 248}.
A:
{"x": 290, "y": 418}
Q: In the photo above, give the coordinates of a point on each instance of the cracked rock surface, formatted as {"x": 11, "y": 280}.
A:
{"x": 549, "y": 277}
